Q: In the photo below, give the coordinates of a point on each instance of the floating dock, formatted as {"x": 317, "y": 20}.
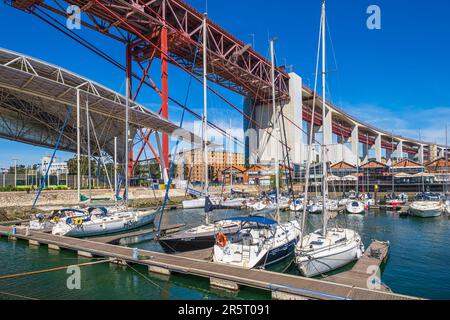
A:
{"x": 367, "y": 270}
{"x": 281, "y": 286}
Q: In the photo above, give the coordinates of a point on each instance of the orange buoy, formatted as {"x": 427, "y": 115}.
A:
{"x": 221, "y": 240}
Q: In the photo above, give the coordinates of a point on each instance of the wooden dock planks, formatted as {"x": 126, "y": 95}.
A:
{"x": 366, "y": 269}
{"x": 266, "y": 280}
{"x": 117, "y": 237}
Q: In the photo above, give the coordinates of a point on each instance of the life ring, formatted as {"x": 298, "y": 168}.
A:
{"x": 56, "y": 219}
{"x": 222, "y": 240}
{"x": 78, "y": 221}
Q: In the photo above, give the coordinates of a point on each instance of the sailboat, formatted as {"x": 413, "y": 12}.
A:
{"x": 355, "y": 205}
{"x": 203, "y": 236}
{"x": 260, "y": 242}
{"x": 118, "y": 219}
{"x": 330, "y": 248}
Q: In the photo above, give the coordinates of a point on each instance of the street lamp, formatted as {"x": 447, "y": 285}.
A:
{"x": 15, "y": 171}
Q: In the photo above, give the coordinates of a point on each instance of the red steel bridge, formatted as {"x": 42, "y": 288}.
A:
{"x": 168, "y": 31}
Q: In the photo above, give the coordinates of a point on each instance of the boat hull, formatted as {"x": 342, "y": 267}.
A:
{"x": 277, "y": 255}
{"x": 426, "y": 210}
{"x": 194, "y": 204}
{"x": 190, "y": 241}
{"x": 328, "y": 261}
{"x": 115, "y": 226}
{"x": 355, "y": 209}
{"x": 188, "y": 244}
{"x": 425, "y": 213}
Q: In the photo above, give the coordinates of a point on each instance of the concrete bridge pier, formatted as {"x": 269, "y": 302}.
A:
{"x": 399, "y": 150}
{"x": 378, "y": 154}
{"x": 355, "y": 143}
{"x": 260, "y": 140}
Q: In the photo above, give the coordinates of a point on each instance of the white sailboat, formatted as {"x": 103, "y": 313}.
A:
{"x": 260, "y": 242}
{"x": 88, "y": 226}
{"x": 330, "y": 248}
{"x": 353, "y": 204}
{"x": 120, "y": 219}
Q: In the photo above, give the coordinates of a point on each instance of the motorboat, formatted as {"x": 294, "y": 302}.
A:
{"x": 259, "y": 243}
{"x": 427, "y": 205}
{"x": 355, "y": 207}
{"x": 394, "y": 201}
{"x": 368, "y": 200}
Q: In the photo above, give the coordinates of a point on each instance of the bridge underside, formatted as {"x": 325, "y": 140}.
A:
{"x": 35, "y": 98}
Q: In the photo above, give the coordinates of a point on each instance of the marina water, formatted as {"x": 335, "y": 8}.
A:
{"x": 417, "y": 263}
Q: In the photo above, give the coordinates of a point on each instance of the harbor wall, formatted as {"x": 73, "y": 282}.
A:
{"x": 69, "y": 197}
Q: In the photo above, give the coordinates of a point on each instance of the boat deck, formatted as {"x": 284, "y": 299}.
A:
{"x": 281, "y": 286}
{"x": 117, "y": 237}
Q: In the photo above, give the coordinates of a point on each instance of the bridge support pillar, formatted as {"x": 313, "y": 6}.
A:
{"x": 421, "y": 154}
{"x": 389, "y": 156}
{"x": 366, "y": 148}
{"x": 260, "y": 145}
{"x": 355, "y": 143}
{"x": 399, "y": 151}
{"x": 328, "y": 128}
{"x": 378, "y": 147}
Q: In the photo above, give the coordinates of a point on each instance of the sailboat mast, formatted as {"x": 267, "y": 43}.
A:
{"x": 231, "y": 155}
{"x": 88, "y": 126}
{"x": 446, "y": 159}
{"x": 393, "y": 178}
{"x": 127, "y": 105}
{"x": 78, "y": 147}
{"x": 115, "y": 169}
{"x": 205, "y": 105}
{"x": 324, "y": 163}
{"x": 276, "y": 129}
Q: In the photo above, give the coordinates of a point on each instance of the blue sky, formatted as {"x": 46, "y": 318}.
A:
{"x": 395, "y": 78}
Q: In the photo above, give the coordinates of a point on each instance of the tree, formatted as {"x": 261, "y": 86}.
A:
{"x": 84, "y": 168}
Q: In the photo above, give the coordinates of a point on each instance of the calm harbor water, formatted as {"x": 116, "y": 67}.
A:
{"x": 418, "y": 264}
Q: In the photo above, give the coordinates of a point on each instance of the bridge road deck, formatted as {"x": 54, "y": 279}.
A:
{"x": 288, "y": 285}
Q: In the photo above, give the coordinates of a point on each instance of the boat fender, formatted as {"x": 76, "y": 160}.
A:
{"x": 359, "y": 253}
{"x": 221, "y": 240}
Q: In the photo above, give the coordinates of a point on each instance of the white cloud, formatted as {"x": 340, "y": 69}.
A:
{"x": 411, "y": 122}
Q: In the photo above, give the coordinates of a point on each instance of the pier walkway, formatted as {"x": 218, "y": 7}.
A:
{"x": 366, "y": 272}
{"x": 281, "y": 286}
